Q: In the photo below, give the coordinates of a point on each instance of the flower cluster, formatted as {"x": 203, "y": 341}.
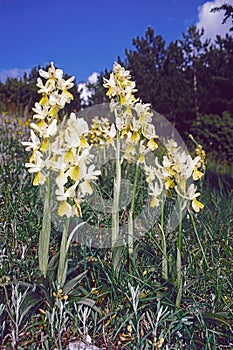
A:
{"x": 201, "y": 153}
{"x": 102, "y": 132}
{"x": 133, "y": 119}
{"x": 72, "y": 161}
{"x": 60, "y": 147}
{"x": 134, "y": 125}
{"x": 176, "y": 173}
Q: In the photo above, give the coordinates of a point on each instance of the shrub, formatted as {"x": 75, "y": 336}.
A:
{"x": 215, "y": 132}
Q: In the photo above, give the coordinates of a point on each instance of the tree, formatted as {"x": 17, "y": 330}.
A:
{"x": 145, "y": 63}
{"x": 217, "y": 87}
{"x": 194, "y": 48}
{"x": 97, "y": 91}
{"x": 228, "y": 13}
{"x": 166, "y": 76}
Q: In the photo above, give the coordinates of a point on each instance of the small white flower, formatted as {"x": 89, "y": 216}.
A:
{"x": 47, "y": 88}
{"x": 45, "y": 130}
{"x": 41, "y": 112}
{"x": 38, "y": 163}
{"x": 34, "y": 144}
{"x": 52, "y": 73}
{"x": 63, "y": 194}
{"x": 65, "y": 84}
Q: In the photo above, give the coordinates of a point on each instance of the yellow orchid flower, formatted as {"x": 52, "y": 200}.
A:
{"x": 69, "y": 156}
{"x": 74, "y": 172}
{"x": 197, "y": 174}
{"x": 196, "y": 205}
{"x": 39, "y": 179}
{"x": 135, "y": 137}
{"x": 154, "y": 202}
{"x": 65, "y": 209}
{"x": 152, "y": 145}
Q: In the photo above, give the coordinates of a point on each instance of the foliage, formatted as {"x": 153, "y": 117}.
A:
{"x": 184, "y": 78}
{"x": 129, "y": 310}
{"x": 215, "y": 133}
{"x": 228, "y": 12}
{"x": 134, "y": 311}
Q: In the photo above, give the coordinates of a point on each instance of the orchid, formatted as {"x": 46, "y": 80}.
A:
{"x": 52, "y": 73}
{"x": 64, "y": 149}
{"x": 34, "y": 144}
{"x": 59, "y": 147}
{"x": 65, "y": 85}
{"x": 156, "y": 189}
{"x": 191, "y": 195}
{"x": 46, "y": 88}
{"x": 36, "y": 166}
{"x": 41, "y": 111}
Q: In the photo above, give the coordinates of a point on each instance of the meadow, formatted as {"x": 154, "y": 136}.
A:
{"x": 133, "y": 306}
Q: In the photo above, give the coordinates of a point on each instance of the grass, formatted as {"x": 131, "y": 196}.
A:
{"x": 134, "y": 310}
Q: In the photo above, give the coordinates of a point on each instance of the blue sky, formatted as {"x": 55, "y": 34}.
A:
{"x": 83, "y": 37}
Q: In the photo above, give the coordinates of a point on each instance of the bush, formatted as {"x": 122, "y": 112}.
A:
{"x": 215, "y": 132}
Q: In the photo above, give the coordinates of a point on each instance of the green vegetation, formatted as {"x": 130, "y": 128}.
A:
{"x": 135, "y": 310}
{"x": 167, "y": 289}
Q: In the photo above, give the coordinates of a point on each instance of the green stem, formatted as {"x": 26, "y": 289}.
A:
{"x": 163, "y": 242}
{"x": 198, "y": 239}
{"x": 44, "y": 238}
{"x": 179, "y": 260}
{"x": 115, "y": 208}
{"x": 62, "y": 265}
{"x": 131, "y": 211}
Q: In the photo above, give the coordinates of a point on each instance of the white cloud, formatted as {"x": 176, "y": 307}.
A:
{"x": 93, "y": 78}
{"x": 86, "y": 92}
{"x": 13, "y": 73}
{"x": 212, "y": 21}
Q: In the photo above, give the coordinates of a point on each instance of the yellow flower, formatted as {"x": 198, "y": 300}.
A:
{"x": 135, "y": 137}
{"x": 65, "y": 209}
{"x": 197, "y": 174}
{"x": 52, "y": 73}
{"x": 196, "y": 205}
{"x": 69, "y": 156}
{"x": 152, "y": 145}
{"x": 83, "y": 142}
{"x": 141, "y": 159}
{"x": 192, "y": 195}
{"x": 44, "y": 100}
{"x": 53, "y": 111}
{"x": 74, "y": 172}
{"x": 44, "y": 145}
{"x": 154, "y": 202}
{"x": 39, "y": 179}
{"x": 169, "y": 183}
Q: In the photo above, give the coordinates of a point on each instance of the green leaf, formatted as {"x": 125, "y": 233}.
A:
{"x": 217, "y": 316}
{"x": 90, "y": 303}
{"x": 44, "y": 238}
{"x": 73, "y": 282}
{"x": 30, "y": 304}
